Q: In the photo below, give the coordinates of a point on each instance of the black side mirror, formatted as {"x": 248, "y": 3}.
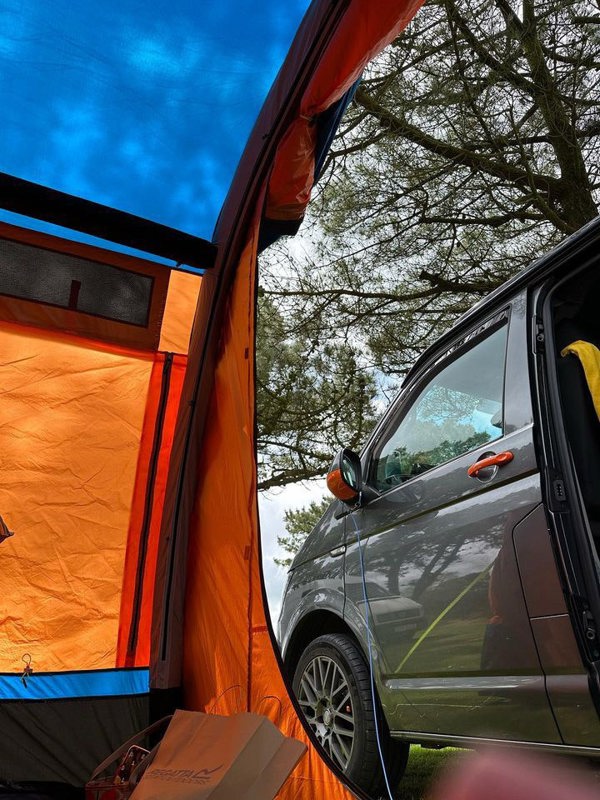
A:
{"x": 344, "y": 479}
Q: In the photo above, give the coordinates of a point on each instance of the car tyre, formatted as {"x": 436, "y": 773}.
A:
{"x": 333, "y": 687}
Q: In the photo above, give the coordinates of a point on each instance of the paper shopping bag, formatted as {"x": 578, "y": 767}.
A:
{"x": 205, "y": 756}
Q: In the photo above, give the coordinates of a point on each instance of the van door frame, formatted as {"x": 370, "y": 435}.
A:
{"x": 567, "y": 519}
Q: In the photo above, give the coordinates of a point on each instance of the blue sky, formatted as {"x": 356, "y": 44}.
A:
{"x": 144, "y": 106}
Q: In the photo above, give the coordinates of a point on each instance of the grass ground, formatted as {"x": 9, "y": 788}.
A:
{"x": 424, "y": 767}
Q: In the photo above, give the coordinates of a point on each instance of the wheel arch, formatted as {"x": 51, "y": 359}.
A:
{"x": 311, "y": 626}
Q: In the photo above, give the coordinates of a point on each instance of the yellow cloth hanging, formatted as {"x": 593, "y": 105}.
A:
{"x": 589, "y": 356}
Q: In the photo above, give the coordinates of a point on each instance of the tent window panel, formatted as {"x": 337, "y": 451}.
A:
{"x": 66, "y": 281}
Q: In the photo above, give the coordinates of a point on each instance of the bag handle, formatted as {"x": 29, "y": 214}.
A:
{"x": 237, "y": 686}
{"x": 270, "y": 697}
{"x": 125, "y": 747}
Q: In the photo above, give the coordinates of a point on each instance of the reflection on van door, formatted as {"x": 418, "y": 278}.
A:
{"x": 451, "y": 631}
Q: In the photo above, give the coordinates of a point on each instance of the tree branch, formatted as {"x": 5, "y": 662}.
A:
{"x": 458, "y": 155}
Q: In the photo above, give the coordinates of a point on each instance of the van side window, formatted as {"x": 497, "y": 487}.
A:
{"x": 457, "y": 411}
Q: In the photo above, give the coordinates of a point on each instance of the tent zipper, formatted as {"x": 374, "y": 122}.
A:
{"x": 145, "y": 531}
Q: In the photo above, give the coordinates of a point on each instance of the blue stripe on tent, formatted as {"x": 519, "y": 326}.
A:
{"x": 61, "y": 685}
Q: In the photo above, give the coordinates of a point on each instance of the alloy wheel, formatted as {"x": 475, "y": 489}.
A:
{"x": 326, "y": 701}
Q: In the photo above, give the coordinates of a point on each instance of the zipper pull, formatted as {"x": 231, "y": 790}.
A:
{"x": 28, "y": 671}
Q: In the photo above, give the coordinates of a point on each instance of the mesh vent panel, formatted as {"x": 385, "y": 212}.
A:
{"x": 66, "y": 281}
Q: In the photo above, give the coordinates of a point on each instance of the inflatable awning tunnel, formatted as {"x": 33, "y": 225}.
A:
{"x": 132, "y": 582}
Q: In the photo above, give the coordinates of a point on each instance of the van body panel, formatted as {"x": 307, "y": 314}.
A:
{"x": 312, "y": 586}
{"x": 510, "y": 707}
{"x": 567, "y": 681}
{"x": 327, "y": 535}
{"x": 447, "y": 606}
{"x": 455, "y": 614}
{"x": 540, "y": 579}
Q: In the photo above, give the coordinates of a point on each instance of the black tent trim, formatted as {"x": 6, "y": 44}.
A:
{"x": 76, "y": 213}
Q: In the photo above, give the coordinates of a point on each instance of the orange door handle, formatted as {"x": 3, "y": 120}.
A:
{"x": 490, "y": 461}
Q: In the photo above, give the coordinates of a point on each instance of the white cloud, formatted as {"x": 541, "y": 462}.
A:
{"x": 272, "y": 506}
{"x": 162, "y": 57}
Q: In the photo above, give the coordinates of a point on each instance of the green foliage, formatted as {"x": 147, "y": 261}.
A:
{"x": 312, "y": 399}
{"x": 298, "y": 525}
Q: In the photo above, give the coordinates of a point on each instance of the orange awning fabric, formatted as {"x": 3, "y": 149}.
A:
{"x": 104, "y": 452}
{"x": 69, "y": 439}
{"x": 364, "y": 30}
{"x": 228, "y": 658}
{"x": 162, "y": 406}
{"x": 89, "y": 410}
{"x": 162, "y": 409}
{"x": 178, "y": 317}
